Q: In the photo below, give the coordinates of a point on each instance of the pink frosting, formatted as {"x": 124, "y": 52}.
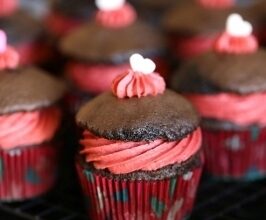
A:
{"x": 236, "y": 45}
{"x": 94, "y": 78}
{"x": 9, "y": 59}
{"x": 219, "y": 4}
{"x": 135, "y": 84}
{"x": 119, "y": 18}
{"x": 28, "y": 128}
{"x": 124, "y": 157}
{"x": 241, "y": 110}
{"x": 189, "y": 47}
{"x": 7, "y": 7}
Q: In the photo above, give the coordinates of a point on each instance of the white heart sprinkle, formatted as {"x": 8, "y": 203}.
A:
{"x": 3, "y": 41}
{"x": 108, "y": 5}
{"x": 139, "y": 64}
{"x": 187, "y": 176}
{"x": 237, "y": 27}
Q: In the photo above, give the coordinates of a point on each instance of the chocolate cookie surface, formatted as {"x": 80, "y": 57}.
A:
{"x": 95, "y": 43}
{"x": 192, "y": 18}
{"x": 20, "y": 27}
{"x": 168, "y": 116}
{"x": 213, "y": 72}
{"x": 28, "y": 89}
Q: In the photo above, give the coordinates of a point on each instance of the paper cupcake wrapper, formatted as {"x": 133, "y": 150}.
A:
{"x": 27, "y": 172}
{"x": 188, "y": 47}
{"x": 235, "y": 154}
{"x": 169, "y": 199}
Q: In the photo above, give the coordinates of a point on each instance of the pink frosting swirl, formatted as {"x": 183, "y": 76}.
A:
{"x": 241, "y": 110}
{"x": 118, "y": 18}
{"x": 28, "y": 128}
{"x": 125, "y": 157}
{"x": 136, "y": 84}
{"x": 7, "y": 7}
{"x": 219, "y": 4}
{"x": 89, "y": 78}
{"x": 236, "y": 45}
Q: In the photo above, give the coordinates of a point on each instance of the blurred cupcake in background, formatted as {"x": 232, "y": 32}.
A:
{"x": 260, "y": 11}
{"x": 24, "y": 32}
{"x": 141, "y": 149}
{"x": 62, "y": 18}
{"x": 153, "y": 10}
{"x": 65, "y": 16}
{"x": 30, "y": 118}
{"x": 228, "y": 87}
{"x": 37, "y": 8}
{"x": 99, "y": 50}
{"x": 193, "y": 26}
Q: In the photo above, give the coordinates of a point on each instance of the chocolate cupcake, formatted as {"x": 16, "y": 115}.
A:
{"x": 227, "y": 85}
{"x": 99, "y": 50}
{"x": 153, "y": 11}
{"x": 24, "y": 32}
{"x": 193, "y": 25}
{"x": 68, "y": 15}
{"x": 140, "y": 155}
{"x": 260, "y": 11}
{"x": 29, "y": 120}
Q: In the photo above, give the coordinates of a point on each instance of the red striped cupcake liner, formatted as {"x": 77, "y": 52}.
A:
{"x": 168, "y": 199}
{"x": 27, "y": 172}
{"x": 235, "y": 154}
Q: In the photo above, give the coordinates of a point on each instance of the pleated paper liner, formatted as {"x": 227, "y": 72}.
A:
{"x": 235, "y": 154}
{"x": 169, "y": 199}
{"x": 27, "y": 172}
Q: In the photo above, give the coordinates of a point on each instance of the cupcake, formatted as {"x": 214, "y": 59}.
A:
{"x": 193, "y": 26}
{"x": 68, "y": 15}
{"x": 99, "y": 50}
{"x": 141, "y": 149}
{"x": 24, "y": 32}
{"x": 227, "y": 85}
{"x": 29, "y": 120}
{"x": 153, "y": 10}
{"x": 260, "y": 10}
{"x": 37, "y": 8}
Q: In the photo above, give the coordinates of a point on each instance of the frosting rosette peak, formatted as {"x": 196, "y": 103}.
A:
{"x": 115, "y": 13}
{"x": 237, "y": 38}
{"x": 140, "y": 80}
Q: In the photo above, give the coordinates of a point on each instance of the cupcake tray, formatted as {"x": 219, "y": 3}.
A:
{"x": 215, "y": 201}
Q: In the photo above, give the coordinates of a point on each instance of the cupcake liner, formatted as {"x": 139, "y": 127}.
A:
{"x": 27, "y": 172}
{"x": 169, "y": 199}
{"x": 188, "y": 47}
{"x": 235, "y": 154}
